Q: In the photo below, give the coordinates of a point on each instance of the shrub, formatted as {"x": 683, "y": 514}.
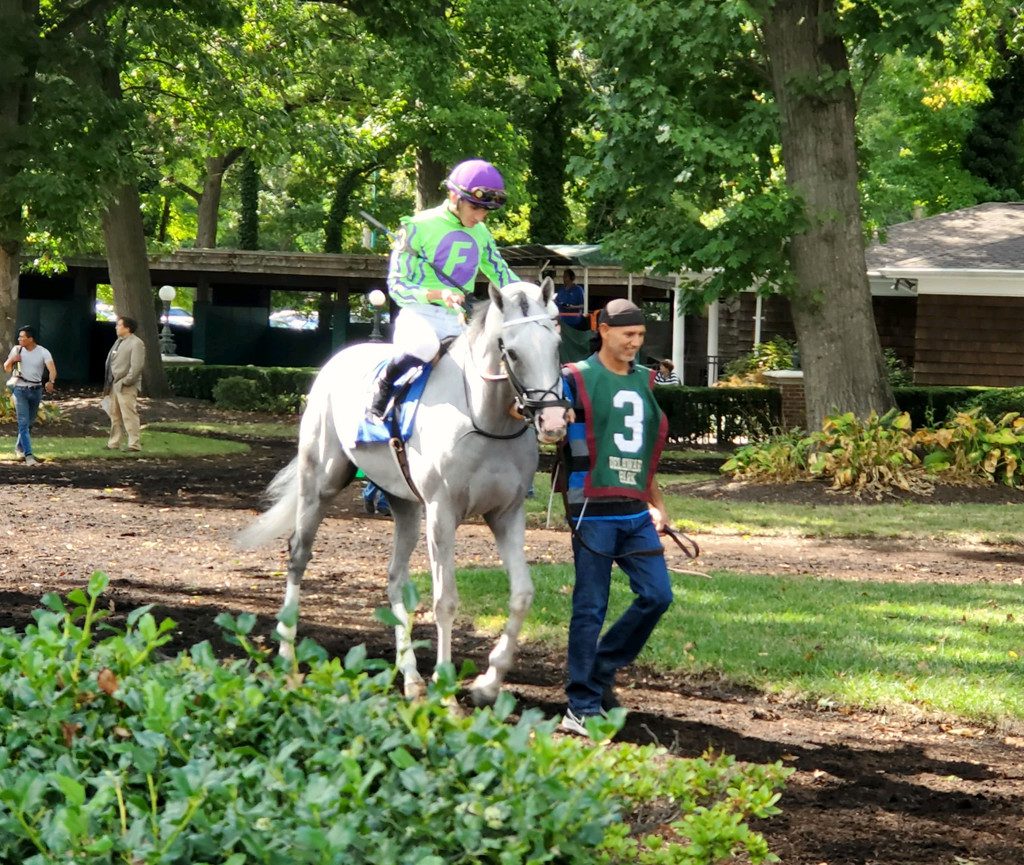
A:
{"x": 112, "y": 755}
{"x": 872, "y": 456}
{"x": 885, "y": 453}
{"x": 777, "y": 353}
{"x": 235, "y": 392}
{"x": 995, "y": 402}
{"x": 972, "y": 448}
{"x": 928, "y": 406}
{"x": 198, "y": 382}
{"x": 897, "y": 372}
{"x": 49, "y": 412}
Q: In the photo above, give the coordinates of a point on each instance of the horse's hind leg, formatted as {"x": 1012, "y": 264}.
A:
{"x": 322, "y": 473}
{"x": 407, "y": 516}
{"x": 509, "y": 529}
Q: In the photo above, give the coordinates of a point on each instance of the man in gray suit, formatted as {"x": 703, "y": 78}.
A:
{"x": 121, "y": 383}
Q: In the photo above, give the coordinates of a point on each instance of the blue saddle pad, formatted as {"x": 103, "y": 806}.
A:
{"x": 409, "y": 389}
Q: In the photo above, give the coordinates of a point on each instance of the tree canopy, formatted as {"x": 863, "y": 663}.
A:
{"x": 694, "y": 136}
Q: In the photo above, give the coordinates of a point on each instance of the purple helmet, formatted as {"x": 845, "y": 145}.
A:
{"x": 479, "y": 183}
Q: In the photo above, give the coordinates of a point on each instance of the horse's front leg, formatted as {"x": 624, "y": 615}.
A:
{"x": 407, "y": 517}
{"x": 509, "y": 529}
{"x": 441, "y": 549}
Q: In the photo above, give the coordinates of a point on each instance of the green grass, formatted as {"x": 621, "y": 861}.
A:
{"x": 950, "y": 649}
{"x": 262, "y": 430}
{"x": 155, "y": 444}
{"x": 962, "y": 522}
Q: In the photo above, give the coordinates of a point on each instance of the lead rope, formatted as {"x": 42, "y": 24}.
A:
{"x": 690, "y": 548}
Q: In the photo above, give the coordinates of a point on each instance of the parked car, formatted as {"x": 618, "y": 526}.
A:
{"x": 105, "y": 311}
{"x": 178, "y": 317}
{"x": 295, "y": 320}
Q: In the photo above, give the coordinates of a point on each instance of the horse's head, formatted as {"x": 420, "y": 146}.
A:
{"x": 525, "y": 316}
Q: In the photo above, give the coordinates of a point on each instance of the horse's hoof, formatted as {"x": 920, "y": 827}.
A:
{"x": 483, "y": 696}
{"x": 415, "y": 689}
{"x": 453, "y": 707}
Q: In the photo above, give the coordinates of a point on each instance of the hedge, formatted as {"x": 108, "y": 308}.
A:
{"x": 726, "y": 413}
{"x": 928, "y": 406}
{"x": 198, "y": 382}
{"x": 694, "y": 413}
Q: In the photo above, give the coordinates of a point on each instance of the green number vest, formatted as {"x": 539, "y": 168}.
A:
{"x": 625, "y": 429}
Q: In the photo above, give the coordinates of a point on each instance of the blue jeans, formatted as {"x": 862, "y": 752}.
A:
{"x": 594, "y": 660}
{"x": 375, "y": 499}
{"x": 26, "y": 404}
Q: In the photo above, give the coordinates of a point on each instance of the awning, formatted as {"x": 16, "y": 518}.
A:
{"x": 555, "y": 254}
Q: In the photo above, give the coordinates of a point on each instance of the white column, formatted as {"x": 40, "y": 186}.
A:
{"x": 629, "y": 288}
{"x": 586, "y": 291}
{"x": 678, "y": 334}
{"x": 713, "y": 342}
{"x": 757, "y": 320}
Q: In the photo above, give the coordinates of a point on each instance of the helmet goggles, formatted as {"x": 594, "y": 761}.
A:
{"x": 481, "y": 196}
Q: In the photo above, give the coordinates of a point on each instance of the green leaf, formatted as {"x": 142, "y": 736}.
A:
{"x": 355, "y": 658}
{"x": 402, "y": 758}
{"x": 410, "y": 596}
{"x": 289, "y": 615}
{"x": 98, "y": 583}
{"x": 73, "y": 791}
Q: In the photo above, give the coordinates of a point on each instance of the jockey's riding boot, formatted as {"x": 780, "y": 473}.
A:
{"x": 394, "y": 371}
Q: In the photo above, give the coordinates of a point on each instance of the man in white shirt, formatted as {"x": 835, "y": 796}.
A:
{"x": 28, "y": 360}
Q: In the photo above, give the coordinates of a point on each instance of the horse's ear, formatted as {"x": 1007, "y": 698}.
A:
{"x": 497, "y": 298}
{"x": 547, "y": 289}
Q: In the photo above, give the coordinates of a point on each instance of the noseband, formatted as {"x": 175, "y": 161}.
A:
{"x": 530, "y": 400}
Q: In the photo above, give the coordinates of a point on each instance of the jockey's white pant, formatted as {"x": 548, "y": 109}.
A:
{"x": 419, "y": 330}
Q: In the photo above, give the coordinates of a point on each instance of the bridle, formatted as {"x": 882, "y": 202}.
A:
{"x": 528, "y": 400}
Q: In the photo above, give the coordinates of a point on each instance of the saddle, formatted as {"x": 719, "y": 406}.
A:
{"x": 397, "y": 421}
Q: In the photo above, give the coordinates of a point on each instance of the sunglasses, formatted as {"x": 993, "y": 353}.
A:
{"x": 489, "y": 198}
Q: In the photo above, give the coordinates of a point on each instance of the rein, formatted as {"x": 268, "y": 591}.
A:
{"x": 690, "y": 548}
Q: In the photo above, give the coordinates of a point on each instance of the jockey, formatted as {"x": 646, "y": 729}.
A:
{"x": 434, "y": 265}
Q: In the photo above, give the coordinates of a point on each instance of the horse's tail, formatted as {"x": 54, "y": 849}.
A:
{"x": 279, "y": 520}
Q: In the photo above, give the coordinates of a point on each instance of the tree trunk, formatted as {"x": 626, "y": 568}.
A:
{"x": 839, "y": 347}
{"x": 9, "y": 271}
{"x": 430, "y": 174}
{"x": 344, "y": 188}
{"x": 209, "y": 201}
{"x": 249, "y": 195}
{"x": 129, "y": 276}
{"x": 19, "y": 19}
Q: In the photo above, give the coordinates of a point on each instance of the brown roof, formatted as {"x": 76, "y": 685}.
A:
{"x": 986, "y": 236}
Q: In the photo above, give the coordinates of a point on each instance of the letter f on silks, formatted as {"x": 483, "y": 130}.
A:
{"x": 457, "y": 255}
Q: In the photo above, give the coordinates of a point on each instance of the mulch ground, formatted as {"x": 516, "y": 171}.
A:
{"x": 868, "y": 788}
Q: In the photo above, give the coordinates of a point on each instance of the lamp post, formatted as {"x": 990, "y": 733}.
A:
{"x": 377, "y": 300}
{"x": 166, "y": 337}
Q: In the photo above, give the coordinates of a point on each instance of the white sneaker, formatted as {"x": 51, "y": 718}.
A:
{"x": 31, "y": 460}
{"x": 573, "y": 723}
{"x": 19, "y": 453}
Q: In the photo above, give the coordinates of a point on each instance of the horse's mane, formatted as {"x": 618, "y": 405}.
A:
{"x": 476, "y": 323}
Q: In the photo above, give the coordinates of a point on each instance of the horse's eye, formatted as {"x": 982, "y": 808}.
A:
{"x": 512, "y": 356}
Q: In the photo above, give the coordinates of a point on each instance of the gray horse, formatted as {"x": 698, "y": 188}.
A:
{"x": 470, "y": 452}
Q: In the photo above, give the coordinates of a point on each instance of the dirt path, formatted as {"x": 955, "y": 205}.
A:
{"x": 868, "y": 788}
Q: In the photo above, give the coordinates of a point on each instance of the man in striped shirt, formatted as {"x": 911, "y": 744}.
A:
{"x": 434, "y": 264}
